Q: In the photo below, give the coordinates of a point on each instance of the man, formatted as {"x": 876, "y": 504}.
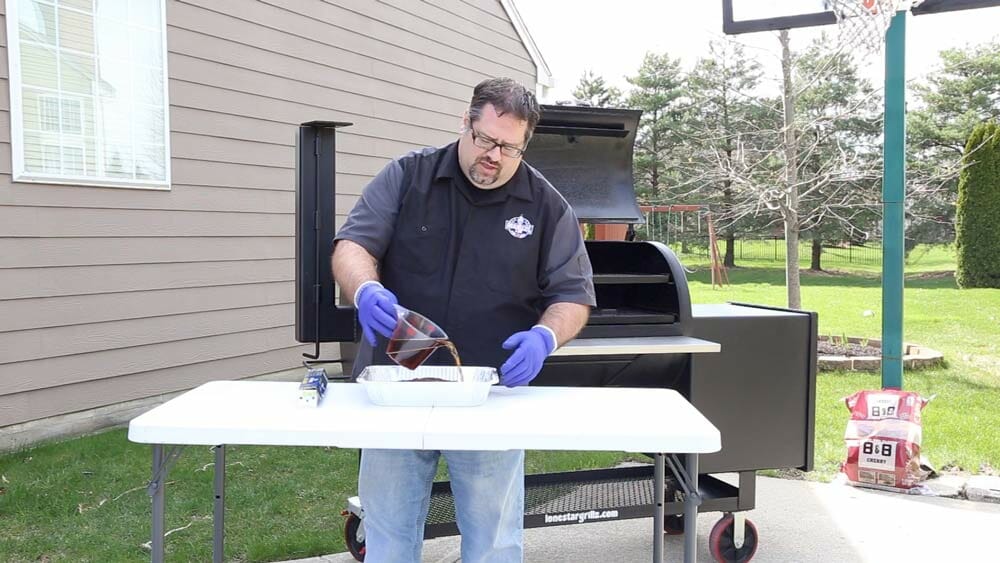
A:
{"x": 480, "y": 243}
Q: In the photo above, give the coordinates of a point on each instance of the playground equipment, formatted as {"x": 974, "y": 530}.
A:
{"x": 657, "y": 227}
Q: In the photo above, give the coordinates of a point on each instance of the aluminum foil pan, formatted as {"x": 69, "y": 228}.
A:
{"x": 428, "y": 386}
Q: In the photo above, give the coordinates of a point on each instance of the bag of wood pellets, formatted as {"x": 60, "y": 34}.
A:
{"x": 883, "y": 439}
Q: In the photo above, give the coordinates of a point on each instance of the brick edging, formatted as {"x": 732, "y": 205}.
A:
{"x": 914, "y": 357}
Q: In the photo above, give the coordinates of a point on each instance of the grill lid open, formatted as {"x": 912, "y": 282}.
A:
{"x": 586, "y": 153}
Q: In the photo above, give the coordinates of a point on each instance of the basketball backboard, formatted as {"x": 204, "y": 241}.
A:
{"x": 748, "y": 16}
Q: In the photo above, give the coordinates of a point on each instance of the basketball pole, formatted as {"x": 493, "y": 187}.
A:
{"x": 893, "y": 194}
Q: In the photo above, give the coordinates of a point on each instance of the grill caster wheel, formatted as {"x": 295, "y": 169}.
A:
{"x": 722, "y": 543}
{"x": 355, "y": 546}
{"x": 673, "y": 524}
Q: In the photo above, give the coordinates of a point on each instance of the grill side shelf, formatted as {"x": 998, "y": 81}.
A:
{"x": 636, "y": 345}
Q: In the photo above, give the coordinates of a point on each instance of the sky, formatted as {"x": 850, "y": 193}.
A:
{"x": 611, "y": 38}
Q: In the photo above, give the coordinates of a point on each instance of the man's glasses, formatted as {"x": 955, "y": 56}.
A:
{"x": 487, "y": 143}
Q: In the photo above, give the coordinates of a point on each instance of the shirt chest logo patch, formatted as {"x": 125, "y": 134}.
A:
{"x": 519, "y": 227}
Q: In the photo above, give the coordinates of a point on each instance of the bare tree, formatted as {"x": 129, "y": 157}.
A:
{"x": 789, "y": 204}
{"x": 812, "y": 161}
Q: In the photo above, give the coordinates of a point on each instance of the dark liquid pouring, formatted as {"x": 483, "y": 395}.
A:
{"x": 411, "y": 353}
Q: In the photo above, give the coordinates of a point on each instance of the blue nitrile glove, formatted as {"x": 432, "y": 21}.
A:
{"x": 530, "y": 347}
{"x": 376, "y": 310}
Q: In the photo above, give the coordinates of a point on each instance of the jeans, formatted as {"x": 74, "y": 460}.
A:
{"x": 488, "y": 487}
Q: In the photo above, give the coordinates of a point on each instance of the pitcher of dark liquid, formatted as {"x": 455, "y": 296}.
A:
{"x": 415, "y": 339}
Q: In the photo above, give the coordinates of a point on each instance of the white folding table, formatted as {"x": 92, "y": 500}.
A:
{"x": 540, "y": 418}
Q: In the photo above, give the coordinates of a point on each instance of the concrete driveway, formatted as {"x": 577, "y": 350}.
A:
{"x": 797, "y": 521}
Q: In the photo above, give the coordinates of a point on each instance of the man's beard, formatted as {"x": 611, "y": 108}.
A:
{"x": 479, "y": 178}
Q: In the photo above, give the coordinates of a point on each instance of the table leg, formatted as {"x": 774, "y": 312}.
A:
{"x": 156, "y": 491}
{"x": 658, "y": 486}
{"x": 691, "y": 502}
{"x": 219, "y": 513}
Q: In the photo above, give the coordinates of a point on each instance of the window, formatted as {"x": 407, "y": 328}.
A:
{"x": 88, "y": 92}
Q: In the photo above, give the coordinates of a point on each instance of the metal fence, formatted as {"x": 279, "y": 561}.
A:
{"x": 772, "y": 249}
{"x": 687, "y": 234}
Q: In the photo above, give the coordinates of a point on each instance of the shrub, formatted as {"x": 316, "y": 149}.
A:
{"x": 977, "y": 218}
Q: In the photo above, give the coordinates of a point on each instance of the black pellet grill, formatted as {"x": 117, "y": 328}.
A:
{"x": 759, "y": 390}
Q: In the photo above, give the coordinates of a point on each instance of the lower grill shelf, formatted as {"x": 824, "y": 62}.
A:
{"x": 576, "y": 497}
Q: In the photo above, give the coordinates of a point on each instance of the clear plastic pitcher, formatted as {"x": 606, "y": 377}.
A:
{"x": 414, "y": 339}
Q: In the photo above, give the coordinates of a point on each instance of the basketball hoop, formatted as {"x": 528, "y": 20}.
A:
{"x": 863, "y": 23}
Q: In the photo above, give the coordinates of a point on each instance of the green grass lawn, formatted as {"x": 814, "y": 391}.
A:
{"x": 85, "y": 499}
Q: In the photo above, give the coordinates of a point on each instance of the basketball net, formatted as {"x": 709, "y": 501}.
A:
{"x": 863, "y": 23}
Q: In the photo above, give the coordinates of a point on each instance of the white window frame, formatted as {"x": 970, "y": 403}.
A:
{"x": 17, "y": 117}
{"x": 48, "y": 98}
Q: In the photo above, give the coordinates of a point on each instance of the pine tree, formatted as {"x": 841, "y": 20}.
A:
{"x": 722, "y": 89}
{"x": 657, "y": 90}
{"x": 948, "y": 104}
{"x": 593, "y": 91}
{"x": 977, "y": 232}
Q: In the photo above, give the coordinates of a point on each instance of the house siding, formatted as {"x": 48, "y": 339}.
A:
{"x": 110, "y": 295}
